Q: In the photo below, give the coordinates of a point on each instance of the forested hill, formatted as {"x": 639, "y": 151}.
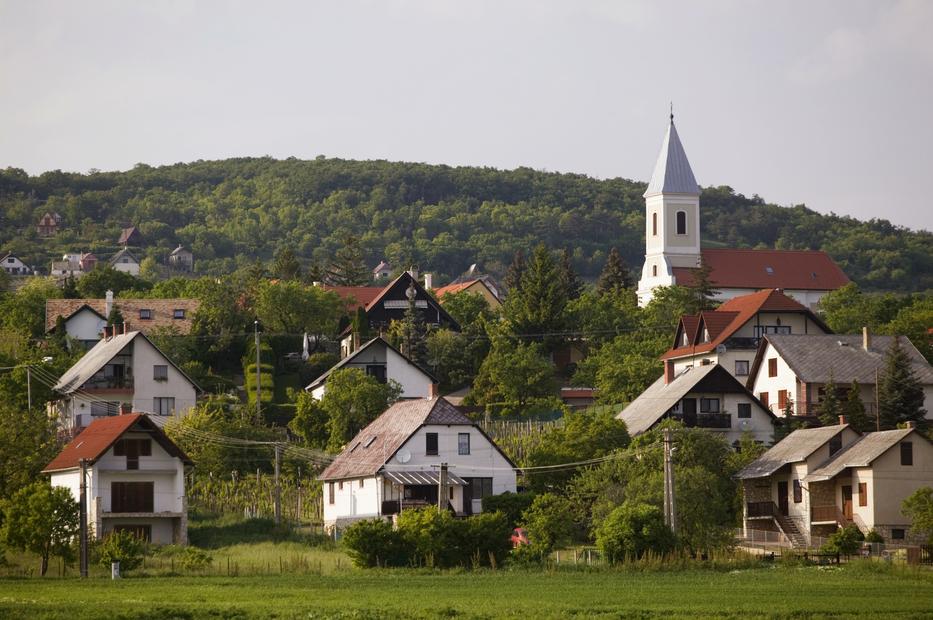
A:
{"x": 234, "y": 211}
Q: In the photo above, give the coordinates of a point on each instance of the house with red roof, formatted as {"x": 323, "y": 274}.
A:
{"x": 482, "y": 286}
{"x": 673, "y": 251}
{"x": 134, "y": 476}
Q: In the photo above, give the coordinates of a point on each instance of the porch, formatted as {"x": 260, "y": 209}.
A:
{"x": 416, "y": 489}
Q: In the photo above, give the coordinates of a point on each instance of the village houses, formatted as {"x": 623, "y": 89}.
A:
{"x": 14, "y": 266}
{"x": 125, "y": 261}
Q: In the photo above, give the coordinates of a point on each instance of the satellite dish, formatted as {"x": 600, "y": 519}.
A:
{"x": 403, "y": 456}
{"x": 720, "y": 349}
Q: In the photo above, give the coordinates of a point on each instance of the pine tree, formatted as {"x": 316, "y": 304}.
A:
{"x": 568, "y": 277}
{"x": 360, "y": 327}
{"x": 538, "y": 308}
{"x": 348, "y": 267}
{"x": 615, "y": 276}
{"x": 70, "y": 289}
{"x": 900, "y": 394}
{"x": 413, "y": 334}
{"x": 115, "y": 317}
{"x": 703, "y": 290}
{"x": 513, "y": 277}
{"x": 854, "y": 410}
{"x": 829, "y": 408}
{"x": 286, "y": 266}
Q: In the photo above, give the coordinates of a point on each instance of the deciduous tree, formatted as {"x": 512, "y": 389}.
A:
{"x": 41, "y": 519}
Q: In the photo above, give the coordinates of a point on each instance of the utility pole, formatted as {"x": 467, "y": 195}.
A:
{"x": 278, "y": 489}
{"x": 670, "y": 504}
{"x": 877, "y": 404}
{"x": 83, "y": 522}
{"x": 442, "y": 488}
{"x": 298, "y": 511}
{"x": 258, "y": 386}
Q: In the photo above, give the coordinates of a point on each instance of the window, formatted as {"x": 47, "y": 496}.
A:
{"x": 178, "y": 313}
{"x": 681, "y": 222}
{"x": 377, "y": 371}
{"x": 741, "y": 368}
{"x": 480, "y": 487}
{"x": 362, "y": 480}
{"x": 835, "y": 445}
{"x": 145, "y": 314}
{"x": 907, "y": 453}
{"x": 355, "y": 446}
{"x": 142, "y": 532}
{"x": 862, "y": 493}
{"x": 654, "y": 271}
{"x": 11, "y": 260}
{"x": 131, "y": 496}
{"x": 163, "y": 405}
{"x": 769, "y": 271}
{"x": 709, "y": 405}
{"x": 772, "y": 367}
{"x": 798, "y": 492}
{"x": 677, "y": 407}
{"x": 763, "y": 397}
{"x": 132, "y": 449}
{"x": 160, "y": 372}
{"x": 430, "y": 443}
{"x": 897, "y": 533}
{"x": 330, "y": 493}
{"x": 782, "y": 399}
{"x": 463, "y": 443}
{"x": 684, "y": 340}
{"x": 654, "y": 224}
{"x": 745, "y": 410}
{"x": 101, "y": 408}
{"x": 369, "y": 441}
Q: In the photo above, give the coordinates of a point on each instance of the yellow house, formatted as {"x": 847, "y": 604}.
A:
{"x": 478, "y": 286}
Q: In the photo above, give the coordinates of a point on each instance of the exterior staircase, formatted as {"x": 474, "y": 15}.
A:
{"x": 790, "y": 529}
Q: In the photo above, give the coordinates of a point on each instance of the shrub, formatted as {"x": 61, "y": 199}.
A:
{"x": 631, "y": 530}
{"x": 549, "y": 521}
{"x": 845, "y": 541}
{"x": 487, "y": 538}
{"x": 123, "y": 547}
{"x": 373, "y": 542}
{"x": 434, "y": 537}
{"x": 874, "y": 537}
{"x": 193, "y": 558}
{"x": 512, "y": 505}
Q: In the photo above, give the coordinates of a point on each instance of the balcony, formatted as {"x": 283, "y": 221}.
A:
{"x": 760, "y": 510}
{"x": 714, "y": 420}
{"x": 827, "y": 514}
{"x": 109, "y": 383}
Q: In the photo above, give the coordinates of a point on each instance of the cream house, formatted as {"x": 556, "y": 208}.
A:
{"x": 125, "y": 261}
{"x": 394, "y": 464}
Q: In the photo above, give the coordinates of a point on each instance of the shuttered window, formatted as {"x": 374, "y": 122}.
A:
{"x": 131, "y": 496}
{"x": 430, "y": 443}
{"x": 772, "y": 367}
{"x": 862, "y": 493}
{"x": 798, "y": 492}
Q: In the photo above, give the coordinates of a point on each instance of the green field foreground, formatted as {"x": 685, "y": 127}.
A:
{"x": 775, "y": 592}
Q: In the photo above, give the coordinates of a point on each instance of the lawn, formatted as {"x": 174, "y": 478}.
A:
{"x": 768, "y": 592}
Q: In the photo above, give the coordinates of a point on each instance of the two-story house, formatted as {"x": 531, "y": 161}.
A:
{"x": 181, "y": 259}
{"x": 125, "y": 261}
{"x": 395, "y": 463}
{"x": 124, "y": 368}
{"x": 135, "y": 478}
{"x": 12, "y": 264}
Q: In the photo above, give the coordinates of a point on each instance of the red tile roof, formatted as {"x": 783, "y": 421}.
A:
{"x": 790, "y": 269}
{"x": 96, "y": 439}
{"x": 453, "y": 288}
{"x": 355, "y": 296}
{"x": 728, "y": 318}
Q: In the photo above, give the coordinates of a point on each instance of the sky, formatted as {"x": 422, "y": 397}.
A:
{"x": 827, "y": 104}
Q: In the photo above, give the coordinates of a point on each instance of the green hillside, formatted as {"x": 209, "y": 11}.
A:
{"x": 234, "y": 211}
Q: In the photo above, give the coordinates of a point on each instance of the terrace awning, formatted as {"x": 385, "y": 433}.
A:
{"x": 426, "y": 477}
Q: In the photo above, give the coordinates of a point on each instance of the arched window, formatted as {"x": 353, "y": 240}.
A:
{"x": 654, "y": 224}
{"x": 681, "y": 222}
{"x": 654, "y": 271}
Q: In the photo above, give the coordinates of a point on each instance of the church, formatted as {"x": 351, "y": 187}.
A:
{"x": 673, "y": 253}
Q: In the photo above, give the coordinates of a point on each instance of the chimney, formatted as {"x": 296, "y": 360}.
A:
{"x": 108, "y": 304}
{"x": 413, "y": 272}
{"x": 668, "y": 371}
{"x": 910, "y": 424}
{"x": 428, "y": 281}
{"x": 126, "y": 408}
{"x": 124, "y": 328}
{"x": 866, "y": 338}
{"x": 843, "y": 420}
{"x": 433, "y": 391}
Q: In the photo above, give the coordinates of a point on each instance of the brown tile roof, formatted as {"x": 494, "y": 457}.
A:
{"x": 733, "y": 314}
{"x": 162, "y": 312}
{"x": 790, "y": 269}
{"x": 355, "y": 296}
{"x": 96, "y": 439}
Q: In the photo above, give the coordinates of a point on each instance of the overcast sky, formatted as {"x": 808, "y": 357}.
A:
{"x": 824, "y": 103}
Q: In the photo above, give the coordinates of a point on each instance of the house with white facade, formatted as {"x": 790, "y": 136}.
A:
{"x": 792, "y": 370}
{"x": 123, "y": 368}
{"x": 74, "y": 265}
{"x": 706, "y": 397}
{"x": 181, "y": 259}
{"x": 395, "y": 462}
{"x": 379, "y": 359}
{"x": 135, "y": 478}
{"x": 817, "y": 480}
{"x": 729, "y": 335}
{"x": 125, "y": 261}
{"x": 14, "y": 266}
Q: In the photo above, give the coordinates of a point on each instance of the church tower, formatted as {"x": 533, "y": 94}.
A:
{"x": 672, "y": 218}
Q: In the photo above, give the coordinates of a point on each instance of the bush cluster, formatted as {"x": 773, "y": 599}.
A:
{"x": 512, "y": 505}
{"x": 124, "y": 547}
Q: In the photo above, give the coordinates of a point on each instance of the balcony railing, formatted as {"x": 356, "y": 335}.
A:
{"x": 760, "y": 509}
{"x": 109, "y": 383}
{"x": 714, "y": 420}
{"x": 828, "y": 514}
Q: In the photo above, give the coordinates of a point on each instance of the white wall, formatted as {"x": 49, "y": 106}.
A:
{"x": 415, "y": 384}
{"x": 893, "y": 482}
{"x": 131, "y": 267}
{"x": 353, "y": 500}
{"x": 786, "y": 379}
{"x": 146, "y": 389}
{"x": 85, "y": 325}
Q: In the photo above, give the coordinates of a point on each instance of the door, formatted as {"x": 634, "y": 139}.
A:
{"x": 468, "y": 497}
{"x": 690, "y": 412}
{"x": 847, "y": 502}
{"x": 782, "y": 497}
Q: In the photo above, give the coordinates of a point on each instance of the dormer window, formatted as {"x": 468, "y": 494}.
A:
{"x": 145, "y": 314}
{"x": 178, "y": 313}
{"x": 684, "y": 340}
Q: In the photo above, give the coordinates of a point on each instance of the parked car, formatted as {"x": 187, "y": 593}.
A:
{"x": 519, "y": 537}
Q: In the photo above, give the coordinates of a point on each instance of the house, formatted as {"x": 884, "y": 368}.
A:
{"x": 705, "y": 396}
{"x": 181, "y": 259}
{"x": 673, "y": 251}
{"x": 729, "y": 335}
{"x": 379, "y": 359}
{"x": 382, "y": 270}
{"x": 130, "y": 236}
{"x": 125, "y": 261}
{"x": 482, "y": 286}
{"x": 122, "y": 368}
{"x": 816, "y": 480}
{"x": 14, "y": 266}
{"x": 135, "y": 478}
{"x": 793, "y": 370}
{"x": 85, "y": 318}
{"x": 48, "y": 225}
{"x": 394, "y": 464}
{"x": 74, "y": 265}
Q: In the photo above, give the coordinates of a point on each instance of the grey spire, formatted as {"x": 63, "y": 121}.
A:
{"x": 672, "y": 173}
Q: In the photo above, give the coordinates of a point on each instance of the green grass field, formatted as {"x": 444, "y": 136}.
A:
{"x": 775, "y": 592}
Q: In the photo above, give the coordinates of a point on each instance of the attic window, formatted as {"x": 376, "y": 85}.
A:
{"x": 705, "y": 335}
{"x": 769, "y": 271}
{"x": 178, "y": 313}
{"x": 684, "y": 340}
{"x": 145, "y": 314}
{"x": 370, "y": 441}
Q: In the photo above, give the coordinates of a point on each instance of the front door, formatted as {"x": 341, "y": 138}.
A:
{"x": 690, "y": 412}
{"x": 847, "y": 502}
{"x": 782, "y": 497}
{"x": 468, "y": 498}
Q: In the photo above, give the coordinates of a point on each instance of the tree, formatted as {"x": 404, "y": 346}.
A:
{"x": 900, "y": 393}
{"x": 918, "y": 507}
{"x": 115, "y": 318}
{"x": 360, "y": 326}
{"x": 537, "y": 310}
{"x": 631, "y": 531}
{"x": 25, "y": 309}
{"x": 70, "y": 289}
{"x": 615, "y": 276}
{"x": 854, "y": 410}
{"x": 103, "y": 278}
{"x": 829, "y": 408}
{"x": 844, "y": 541}
{"x": 286, "y": 266}
{"x": 621, "y": 369}
{"x": 124, "y": 547}
{"x": 549, "y": 522}
{"x": 703, "y": 288}
{"x": 568, "y": 277}
{"x": 28, "y": 442}
{"x": 42, "y": 520}
{"x": 515, "y": 380}
{"x": 310, "y": 421}
{"x": 291, "y": 307}
{"x": 348, "y": 268}
{"x": 513, "y": 277}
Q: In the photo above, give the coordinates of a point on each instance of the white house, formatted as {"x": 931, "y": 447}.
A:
{"x": 135, "y": 478}
{"x": 14, "y": 266}
{"x": 792, "y": 369}
{"x": 394, "y": 464}
{"x": 706, "y": 397}
{"x": 816, "y": 480}
{"x": 377, "y": 358}
{"x": 125, "y": 261}
{"x": 122, "y": 368}
{"x": 181, "y": 259}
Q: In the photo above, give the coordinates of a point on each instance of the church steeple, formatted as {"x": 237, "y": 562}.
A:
{"x": 672, "y": 172}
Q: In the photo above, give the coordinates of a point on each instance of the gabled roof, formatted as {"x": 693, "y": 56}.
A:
{"x": 98, "y": 357}
{"x": 458, "y": 287}
{"x": 754, "y": 269}
{"x": 652, "y": 404}
{"x": 355, "y": 296}
{"x": 376, "y": 444}
{"x": 818, "y": 357}
{"x": 124, "y": 252}
{"x": 859, "y": 453}
{"x": 349, "y": 360}
{"x": 128, "y": 234}
{"x": 406, "y": 280}
{"x": 94, "y": 441}
{"x": 80, "y": 308}
{"x": 179, "y": 250}
{"x": 382, "y": 266}
{"x": 162, "y": 311}
{"x": 672, "y": 172}
{"x": 794, "y": 448}
{"x": 736, "y": 312}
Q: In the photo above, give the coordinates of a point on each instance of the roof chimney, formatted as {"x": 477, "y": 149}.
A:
{"x": 910, "y": 424}
{"x": 866, "y": 338}
{"x": 413, "y": 272}
{"x": 126, "y": 408}
{"x": 433, "y": 391}
{"x": 428, "y": 281}
{"x": 668, "y": 371}
{"x": 843, "y": 421}
{"x": 108, "y": 304}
